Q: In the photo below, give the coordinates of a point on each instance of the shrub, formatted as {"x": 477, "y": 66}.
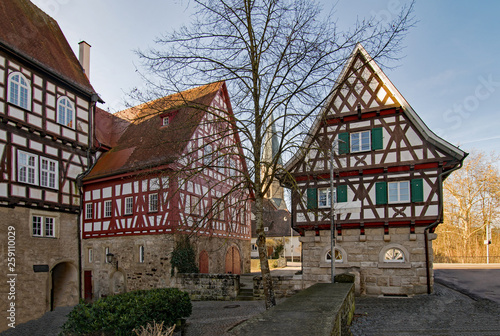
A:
{"x": 183, "y": 257}
{"x": 155, "y": 329}
{"x": 119, "y": 315}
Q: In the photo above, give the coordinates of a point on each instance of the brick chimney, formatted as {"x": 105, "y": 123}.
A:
{"x": 84, "y": 57}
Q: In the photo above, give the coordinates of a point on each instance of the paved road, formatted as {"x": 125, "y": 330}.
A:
{"x": 478, "y": 281}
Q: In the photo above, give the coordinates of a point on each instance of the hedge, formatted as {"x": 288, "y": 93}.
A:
{"x": 118, "y": 315}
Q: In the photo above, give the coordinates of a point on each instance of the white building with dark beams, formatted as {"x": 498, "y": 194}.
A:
{"x": 389, "y": 168}
{"x": 46, "y": 107}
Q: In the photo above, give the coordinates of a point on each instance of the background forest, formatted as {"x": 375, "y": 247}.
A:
{"x": 471, "y": 213}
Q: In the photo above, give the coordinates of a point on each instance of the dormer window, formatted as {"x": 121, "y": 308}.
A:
{"x": 165, "y": 121}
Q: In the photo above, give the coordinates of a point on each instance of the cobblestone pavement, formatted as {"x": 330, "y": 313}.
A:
{"x": 446, "y": 312}
{"x": 48, "y": 325}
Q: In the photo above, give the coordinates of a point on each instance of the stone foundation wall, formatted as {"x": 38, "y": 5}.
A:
{"x": 283, "y": 285}
{"x": 363, "y": 257}
{"x": 55, "y": 260}
{"x": 155, "y": 271}
{"x": 216, "y": 287}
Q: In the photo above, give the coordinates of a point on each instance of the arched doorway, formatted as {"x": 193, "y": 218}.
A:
{"x": 118, "y": 283}
{"x": 233, "y": 261}
{"x": 64, "y": 291}
{"x": 204, "y": 262}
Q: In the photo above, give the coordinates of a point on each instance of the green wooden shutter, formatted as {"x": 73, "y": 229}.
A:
{"x": 343, "y": 143}
{"x": 341, "y": 193}
{"x": 377, "y": 138}
{"x": 381, "y": 193}
{"x": 417, "y": 190}
{"x": 312, "y": 198}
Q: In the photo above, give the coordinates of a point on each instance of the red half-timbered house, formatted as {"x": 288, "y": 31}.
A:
{"x": 46, "y": 107}
{"x": 173, "y": 168}
{"x": 388, "y": 173}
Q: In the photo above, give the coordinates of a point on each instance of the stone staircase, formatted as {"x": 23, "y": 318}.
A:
{"x": 246, "y": 288}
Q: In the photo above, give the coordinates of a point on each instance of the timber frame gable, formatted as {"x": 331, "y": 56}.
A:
{"x": 380, "y": 141}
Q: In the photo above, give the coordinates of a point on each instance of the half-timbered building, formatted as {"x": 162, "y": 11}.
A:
{"x": 388, "y": 173}
{"x": 46, "y": 106}
{"x": 174, "y": 170}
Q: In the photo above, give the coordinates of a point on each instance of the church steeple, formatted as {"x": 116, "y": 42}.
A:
{"x": 270, "y": 152}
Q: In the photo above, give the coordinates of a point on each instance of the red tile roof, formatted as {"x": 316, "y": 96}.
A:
{"x": 108, "y": 129}
{"x": 145, "y": 143}
{"x": 34, "y": 35}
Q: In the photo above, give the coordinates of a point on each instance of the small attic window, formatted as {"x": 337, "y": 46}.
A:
{"x": 165, "y": 121}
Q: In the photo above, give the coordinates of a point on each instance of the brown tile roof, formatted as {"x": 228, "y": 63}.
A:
{"x": 108, "y": 129}
{"x": 145, "y": 143}
{"x": 28, "y": 31}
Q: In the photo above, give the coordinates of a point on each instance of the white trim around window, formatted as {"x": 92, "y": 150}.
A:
{"x": 27, "y": 167}
{"x": 89, "y": 210}
{"x": 361, "y": 141}
{"x": 398, "y": 192}
{"x": 65, "y": 112}
{"x": 19, "y": 90}
{"x": 37, "y": 170}
{"x": 324, "y": 199}
{"x": 153, "y": 203}
{"x": 108, "y": 208}
{"x": 43, "y": 225}
{"x": 129, "y": 205}
{"x": 141, "y": 254}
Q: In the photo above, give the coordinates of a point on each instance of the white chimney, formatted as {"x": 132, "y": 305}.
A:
{"x": 84, "y": 57}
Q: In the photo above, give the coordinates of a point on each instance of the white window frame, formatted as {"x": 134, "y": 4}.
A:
{"x": 324, "y": 199}
{"x": 360, "y": 147}
{"x": 141, "y": 254}
{"x": 106, "y": 252}
{"x": 39, "y": 223}
{"x": 52, "y": 175}
{"x": 16, "y": 88}
{"x": 165, "y": 121}
{"x": 194, "y": 208}
{"x": 89, "y": 211}
{"x": 50, "y": 223}
{"x": 108, "y": 208}
{"x": 33, "y": 168}
{"x": 90, "y": 255}
{"x": 129, "y": 206}
{"x": 153, "y": 202}
{"x": 65, "y": 112}
{"x": 43, "y": 226}
{"x": 394, "y": 255}
{"x": 255, "y": 247}
{"x": 397, "y": 187}
{"x": 328, "y": 256}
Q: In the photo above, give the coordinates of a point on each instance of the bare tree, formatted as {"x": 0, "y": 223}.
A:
{"x": 279, "y": 59}
{"x": 471, "y": 207}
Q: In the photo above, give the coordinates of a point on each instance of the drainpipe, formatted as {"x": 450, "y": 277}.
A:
{"x": 437, "y": 222}
{"x": 79, "y": 181}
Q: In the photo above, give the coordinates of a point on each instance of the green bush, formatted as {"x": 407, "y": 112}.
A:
{"x": 183, "y": 257}
{"x": 119, "y": 315}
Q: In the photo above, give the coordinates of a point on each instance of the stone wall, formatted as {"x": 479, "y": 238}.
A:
{"x": 55, "y": 260}
{"x": 155, "y": 270}
{"x": 283, "y": 285}
{"x": 216, "y": 287}
{"x": 363, "y": 257}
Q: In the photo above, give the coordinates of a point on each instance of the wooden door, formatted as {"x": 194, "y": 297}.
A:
{"x": 87, "y": 285}
{"x": 204, "y": 262}
{"x": 233, "y": 261}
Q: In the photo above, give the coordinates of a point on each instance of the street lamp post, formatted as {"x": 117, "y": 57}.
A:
{"x": 332, "y": 211}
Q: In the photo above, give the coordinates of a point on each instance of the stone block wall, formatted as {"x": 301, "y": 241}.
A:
{"x": 363, "y": 257}
{"x": 55, "y": 260}
{"x": 215, "y": 287}
{"x": 155, "y": 270}
{"x": 283, "y": 285}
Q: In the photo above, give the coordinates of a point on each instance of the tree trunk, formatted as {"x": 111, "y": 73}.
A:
{"x": 261, "y": 244}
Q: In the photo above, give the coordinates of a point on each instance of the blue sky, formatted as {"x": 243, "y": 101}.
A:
{"x": 448, "y": 71}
